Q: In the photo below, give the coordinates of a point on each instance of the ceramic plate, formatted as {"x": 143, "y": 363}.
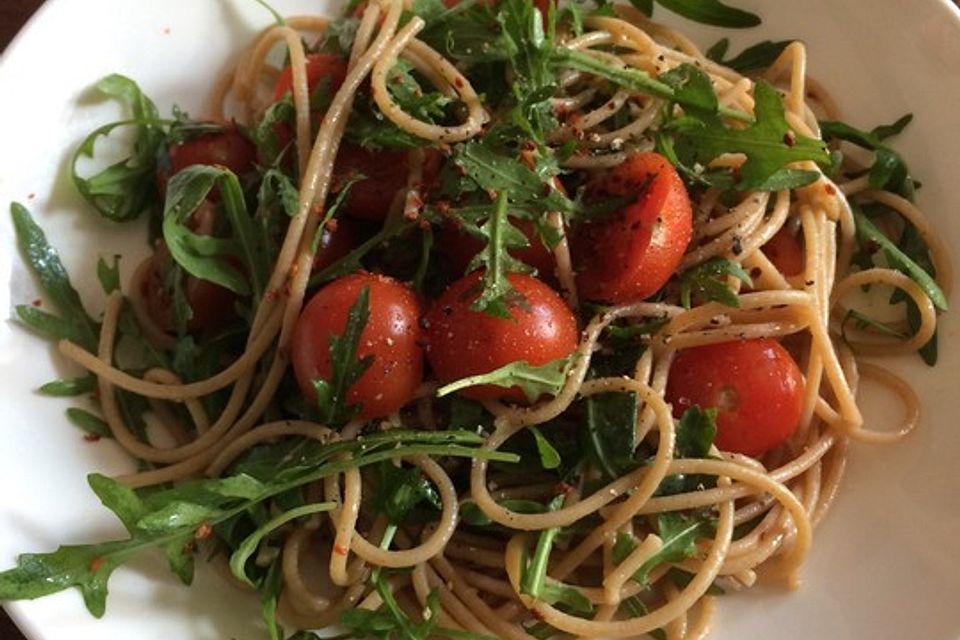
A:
{"x": 883, "y": 564}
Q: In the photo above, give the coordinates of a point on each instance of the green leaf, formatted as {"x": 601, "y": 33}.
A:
{"x": 89, "y": 422}
{"x": 753, "y": 58}
{"x": 124, "y": 190}
{"x": 549, "y": 456}
{"x": 708, "y": 282}
{"x": 696, "y": 430}
{"x": 679, "y": 533}
{"x": 208, "y": 257}
{"x": 535, "y": 381}
{"x": 644, "y": 6}
{"x": 611, "y": 421}
{"x": 634, "y": 607}
{"x": 692, "y": 88}
{"x": 889, "y": 170}
{"x": 346, "y": 367}
{"x": 44, "y": 261}
{"x": 238, "y": 559}
{"x": 69, "y": 387}
{"x": 862, "y": 321}
{"x": 869, "y": 233}
{"x": 401, "y": 489}
{"x": 109, "y": 275}
{"x": 768, "y": 143}
{"x": 471, "y": 514}
{"x": 712, "y": 12}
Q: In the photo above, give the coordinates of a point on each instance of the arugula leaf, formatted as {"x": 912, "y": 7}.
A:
{"x": 869, "y": 233}
{"x": 862, "y": 321}
{"x": 89, "y": 422}
{"x": 73, "y": 323}
{"x": 753, "y": 58}
{"x": 634, "y": 607}
{"x": 271, "y": 134}
{"x": 278, "y": 18}
{"x": 471, "y": 514}
{"x": 168, "y": 518}
{"x": 611, "y": 421}
{"x": 768, "y": 143}
{"x": 124, "y": 190}
{"x": 549, "y": 456}
{"x": 708, "y": 282}
{"x": 207, "y": 257}
{"x": 401, "y": 489}
{"x": 679, "y": 533}
{"x": 712, "y": 12}
{"x": 346, "y": 367}
{"x": 889, "y": 170}
{"x": 68, "y": 387}
{"x": 535, "y": 381}
{"x": 393, "y": 228}
{"x": 696, "y": 430}
{"x": 109, "y": 275}
{"x": 238, "y": 560}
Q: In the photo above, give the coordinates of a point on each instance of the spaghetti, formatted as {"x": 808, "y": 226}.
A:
{"x": 474, "y": 573}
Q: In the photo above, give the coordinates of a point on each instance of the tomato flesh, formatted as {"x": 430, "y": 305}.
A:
{"x": 630, "y": 255}
{"x": 785, "y": 252}
{"x": 755, "y": 385}
{"x": 462, "y": 342}
{"x": 392, "y": 336}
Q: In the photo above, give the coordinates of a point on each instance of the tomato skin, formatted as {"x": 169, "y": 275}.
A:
{"x": 631, "y": 255}
{"x": 459, "y": 247}
{"x": 462, "y": 342}
{"x": 785, "y": 252}
{"x": 228, "y": 148}
{"x": 755, "y": 385}
{"x": 319, "y": 66}
{"x": 392, "y": 336}
{"x": 336, "y": 241}
{"x": 385, "y": 173}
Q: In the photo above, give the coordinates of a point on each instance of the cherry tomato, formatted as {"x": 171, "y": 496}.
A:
{"x": 755, "y": 385}
{"x": 319, "y": 66}
{"x": 392, "y": 336}
{"x": 336, "y": 241}
{"x": 228, "y": 148}
{"x": 459, "y": 248}
{"x": 785, "y": 252}
{"x": 631, "y": 254}
{"x": 385, "y": 173}
{"x": 462, "y": 342}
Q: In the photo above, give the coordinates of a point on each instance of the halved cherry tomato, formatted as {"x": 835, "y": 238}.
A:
{"x": 755, "y": 385}
{"x": 459, "y": 248}
{"x": 392, "y": 336}
{"x": 462, "y": 342}
{"x": 631, "y": 255}
{"x": 336, "y": 241}
{"x": 785, "y": 252}
{"x": 319, "y": 66}
{"x": 227, "y": 148}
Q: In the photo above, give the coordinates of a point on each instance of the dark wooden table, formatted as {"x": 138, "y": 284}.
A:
{"x": 13, "y": 13}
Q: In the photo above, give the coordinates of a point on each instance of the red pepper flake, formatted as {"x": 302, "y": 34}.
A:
{"x": 829, "y": 188}
{"x": 189, "y": 548}
{"x": 31, "y": 196}
{"x": 96, "y": 564}
{"x": 789, "y": 139}
{"x": 562, "y": 488}
{"x": 38, "y": 302}
{"x": 536, "y": 614}
{"x": 91, "y": 437}
{"x": 331, "y": 225}
{"x": 204, "y": 531}
{"x": 458, "y": 83}
{"x": 340, "y": 550}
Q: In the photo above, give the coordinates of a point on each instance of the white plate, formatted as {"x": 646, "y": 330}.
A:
{"x": 884, "y": 563}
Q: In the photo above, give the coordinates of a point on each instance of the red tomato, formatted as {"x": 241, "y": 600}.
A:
{"x": 755, "y": 385}
{"x": 319, "y": 66}
{"x": 227, "y": 148}
{"x": 385, "y": 173}
{"x": 785, "y": 252}
{"x": 462, "y": 342}
{"x": 336, "y": 241}
{"x": 460, "y": 247}
{"x": 211, "y": 304}
{"x": 392, "y": 336}
{"x": 631, "y": 255}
